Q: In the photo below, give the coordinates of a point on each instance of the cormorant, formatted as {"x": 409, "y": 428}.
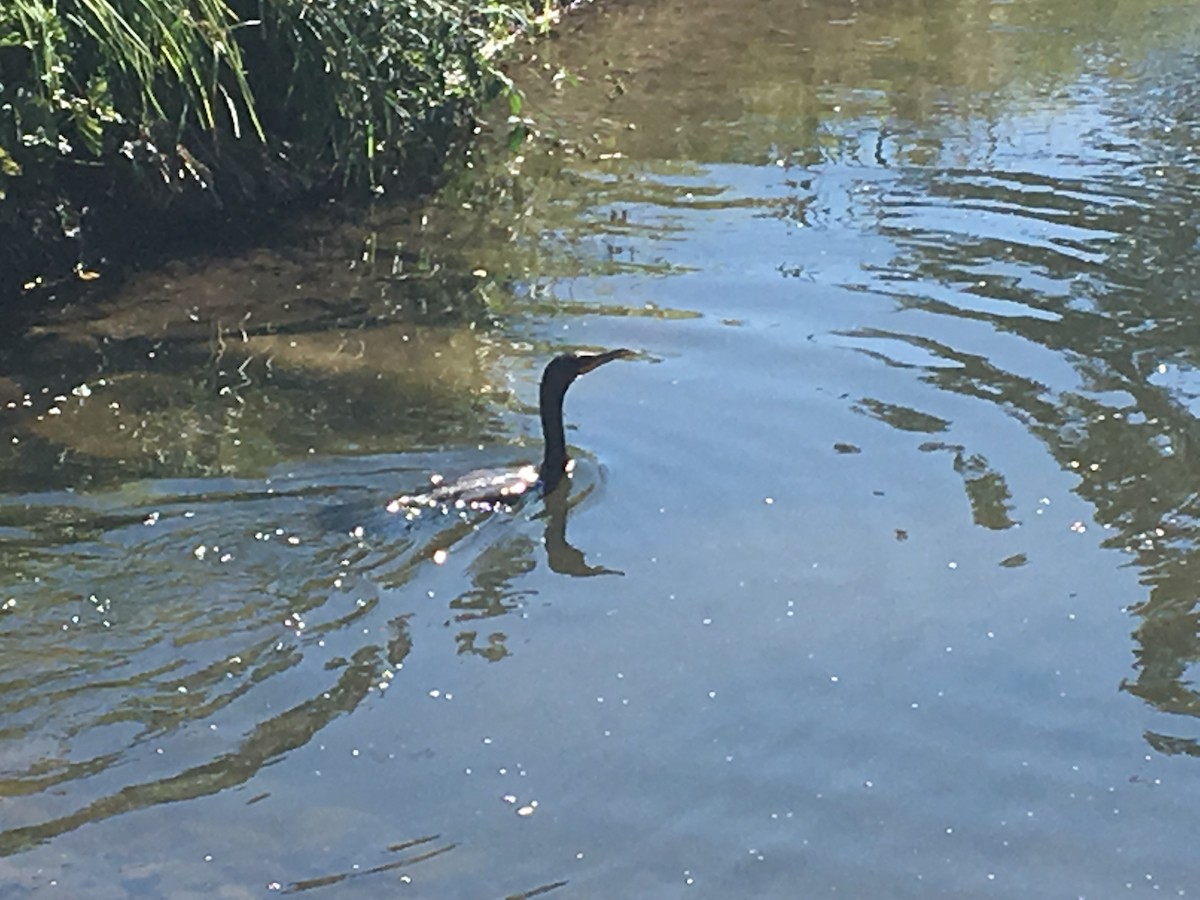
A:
{"x": 490, "y": 488}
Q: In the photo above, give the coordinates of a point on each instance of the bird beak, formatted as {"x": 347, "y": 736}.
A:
{"x": 590, "y": 361}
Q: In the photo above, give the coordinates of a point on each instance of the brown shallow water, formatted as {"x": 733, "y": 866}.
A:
{"x": 878, "y": 575}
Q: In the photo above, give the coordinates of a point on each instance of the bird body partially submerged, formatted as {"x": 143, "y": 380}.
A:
{"x": 488, "y": 489}
{"x": 483, "y": 489}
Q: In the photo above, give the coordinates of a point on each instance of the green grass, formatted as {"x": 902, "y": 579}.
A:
{"x": 114, "y": 107}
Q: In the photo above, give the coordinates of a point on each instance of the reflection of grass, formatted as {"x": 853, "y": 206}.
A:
{"x": 265, "y": 742}
{"x": 337, "y": 878}
{"x": 241, "y": 410}
{"x": 556, "y": 306}
{"x": 900, "y": 417}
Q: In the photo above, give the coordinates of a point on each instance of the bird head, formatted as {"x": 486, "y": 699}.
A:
{"x": 566, "y": 367}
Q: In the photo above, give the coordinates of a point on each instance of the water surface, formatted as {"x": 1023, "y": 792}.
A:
{"x": 876, "y": 578}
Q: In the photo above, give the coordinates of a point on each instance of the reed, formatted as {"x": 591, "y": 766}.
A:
{"x": 119, "y": 105}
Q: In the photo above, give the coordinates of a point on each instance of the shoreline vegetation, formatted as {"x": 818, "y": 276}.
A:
{"x": 128, "y": 125}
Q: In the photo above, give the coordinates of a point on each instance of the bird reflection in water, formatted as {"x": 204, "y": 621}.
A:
{"x": 562, "y": 557}
{"x": 493, "y": 573}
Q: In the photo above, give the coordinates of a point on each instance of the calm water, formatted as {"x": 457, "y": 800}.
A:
{"x": 879, "y": 575}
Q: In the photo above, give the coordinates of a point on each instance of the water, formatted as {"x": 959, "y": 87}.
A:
{"x": 876, "y": 576}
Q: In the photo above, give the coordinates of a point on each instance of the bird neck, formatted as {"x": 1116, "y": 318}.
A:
{"x": 554, "y": 462}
